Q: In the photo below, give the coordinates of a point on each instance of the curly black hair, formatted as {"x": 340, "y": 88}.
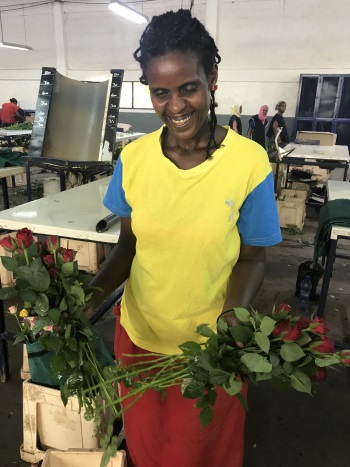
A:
{"x": 179, "y": 31}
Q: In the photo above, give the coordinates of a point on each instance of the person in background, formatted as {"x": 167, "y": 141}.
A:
{"x": 235, "y": 122}
{"x": 187, "y": 258}
{"x": 278, "y": 122}
{"x": 257, "y": 125}
{"x": 10, "y": 113}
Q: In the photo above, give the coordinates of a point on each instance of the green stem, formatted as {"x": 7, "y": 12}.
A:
{"x": 26, "y": 255}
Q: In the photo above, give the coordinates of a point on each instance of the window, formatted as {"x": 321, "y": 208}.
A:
{"x": 135, "y": 96}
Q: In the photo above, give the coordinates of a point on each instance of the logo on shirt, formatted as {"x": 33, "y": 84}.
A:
{"x": 230, "y": 204}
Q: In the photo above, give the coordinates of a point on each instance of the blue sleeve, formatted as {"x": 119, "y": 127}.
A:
{"x": 251, "y": 123}
{"x": 258, "y": 222}
{"x": 115, "y": 197}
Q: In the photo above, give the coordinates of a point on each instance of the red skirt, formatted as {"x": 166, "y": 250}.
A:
{"x": 165, "y": 432}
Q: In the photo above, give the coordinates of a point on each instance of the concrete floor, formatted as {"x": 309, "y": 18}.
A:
{"x": 283, "y": 429}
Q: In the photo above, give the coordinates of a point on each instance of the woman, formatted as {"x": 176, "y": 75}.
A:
{"x": 235, "y": 122}
{"x": 192, "y": 241}
{"x": 276, "y": 123}
{"x": 257, "y": 125}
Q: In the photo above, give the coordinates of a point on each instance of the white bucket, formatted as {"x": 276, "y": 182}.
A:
{"x": 51, "y": 185}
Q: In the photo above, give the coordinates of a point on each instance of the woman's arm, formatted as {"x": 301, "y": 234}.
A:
{"x": 116, "y": 268}
{"x": 245, "y": 281}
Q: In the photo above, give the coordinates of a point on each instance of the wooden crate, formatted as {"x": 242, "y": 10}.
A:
{"x": 90, "y": 255}
{"x": 291, "y": 211}
{"x": 300, "y": 186}
{"x": 81, "y": 459}
{"x": 47, "y": 424}
{"x": 25, "y": 372}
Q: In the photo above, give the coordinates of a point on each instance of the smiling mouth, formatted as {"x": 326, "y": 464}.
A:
{"x": 182, "y": 120}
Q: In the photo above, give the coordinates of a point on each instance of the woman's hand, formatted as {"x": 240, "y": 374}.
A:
{"x": 230, "y": 318}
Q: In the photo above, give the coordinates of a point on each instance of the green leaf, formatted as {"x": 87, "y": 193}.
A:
{"x": 55, "y": 315}
{"x": 303, "y": 339}
{"x": 204, "y": 330}
{"x": 38, "y": 280}
{"x": 267, "y": 325}
{"x": 242, "y": 314}
{"x": 205, "y": 360}
{"x": 192, "y": 389}
{"x": 243, "y": 401}
{"x": 67, "y": 269}
{"x": 206, "y": 415}
{"x": 36, "y": 265}
{"x": 301, "y": 382}
{"x": 28, "y": 295}
{"x": 327, "y": 360}
{"x": 19, "y": 338}
{"x": 233, "y": 386}
{"x": 190, "y": 348}
{"x": 291, "y": 352}
{"x": 288, "y": 368}
{"x": 257, "y": 363}
{"x": 42, "y": 305}
{"x": 7, "y": 293}
{"x": 63, "y": 304}
{"x": 38, "y": 326}
{"x": 263, "y": 341}
{"x": 222, "y": 326}
{"x": 65, "y": 394}
{"x": 9, "y": 263}
{"x": 58, "y": 364}
{"x": 242, "y": 333}
{"x": 274, "y": 359}
{"x": 262, "y": 376}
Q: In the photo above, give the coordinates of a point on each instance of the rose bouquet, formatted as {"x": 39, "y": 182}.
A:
{"x": 51, "y": 296}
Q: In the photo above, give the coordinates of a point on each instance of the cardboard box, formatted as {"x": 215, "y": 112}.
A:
{"x": 291, "y": 211}
{"x": 290, "y": 193}
{"x": 81, "y": 459}
{"x": 325, "y": 138}
{"x": 90, "y": 255}
{"x": 47, "y": 423}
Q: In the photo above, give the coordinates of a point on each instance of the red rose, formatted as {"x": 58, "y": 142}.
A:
{"x": 282, "y": 308}
{"x": 345, "y": 357}
{"x": 286, "y": 331}
{"x": 321, "y": 375}
{"x": 327, "y": 345}
{"x": 321, "y": 327}
{"x": 9, "y": 244}
{"x": 302, "y": 323}
{"x": 68, "y": 255}
{"x": 49, "y": 260}
{"x": 24, "y": 238}
{"x": 52, "y": 243}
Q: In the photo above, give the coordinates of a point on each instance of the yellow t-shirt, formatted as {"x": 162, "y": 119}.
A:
{"x": 189, "y": 225}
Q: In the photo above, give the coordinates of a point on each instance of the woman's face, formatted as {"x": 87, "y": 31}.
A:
{"x": 265, "y": 110}
{"x": 282, "y": 108}
{"x": 180, "y": 93}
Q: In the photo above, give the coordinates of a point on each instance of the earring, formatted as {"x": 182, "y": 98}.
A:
{"x": 214, "y": 87}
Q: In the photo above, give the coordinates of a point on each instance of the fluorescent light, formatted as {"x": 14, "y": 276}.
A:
{"x": 127, "y": 12}
{"x": 10, "y": 45}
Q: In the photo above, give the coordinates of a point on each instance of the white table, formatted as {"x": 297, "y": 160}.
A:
{"x": 306, "y": 151}
{"x": 338, "y": 190}
{"x": 72, "y": 213}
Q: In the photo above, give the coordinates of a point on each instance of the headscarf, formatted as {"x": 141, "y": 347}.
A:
{"x": 235, "y": 110}
{"x": 261, "y": 116}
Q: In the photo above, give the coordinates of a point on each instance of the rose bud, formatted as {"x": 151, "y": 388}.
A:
{"x": 68, "y": 255}
{"x": 327, "y": 345}
{"x": 48, "y": 328}
{"x": 318, "y": 326}
{"x": 286, "y": 331}
{"x": 52, "y": 243}
{"x": 24, "y": 238}
{"x": 12, "y": 310}
{"x": 282, "y": 308}
{"x": 302, "y": 323}
{"x": 49, "y": 260}
{"x": 345, "y": 357}
{"x": 9, "y": 244}
{"x": 321, "y": 375}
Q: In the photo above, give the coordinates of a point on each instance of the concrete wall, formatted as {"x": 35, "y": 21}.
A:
{"x": 264, "y": 44}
